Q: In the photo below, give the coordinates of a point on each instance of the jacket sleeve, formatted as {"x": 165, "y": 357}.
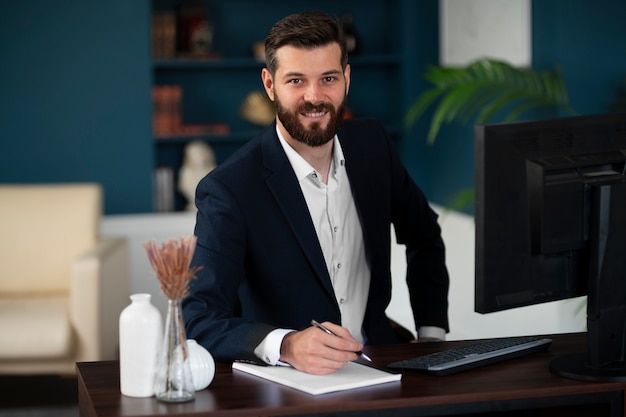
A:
{"x": 211, "y": 311}
{"x": 416, "y": 226}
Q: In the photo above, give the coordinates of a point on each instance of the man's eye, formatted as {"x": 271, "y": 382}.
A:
{"x": 329, "y": 79}
{"x": 295, "y": 81}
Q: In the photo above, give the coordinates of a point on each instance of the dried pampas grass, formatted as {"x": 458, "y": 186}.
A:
{"x": 170, "y": 262}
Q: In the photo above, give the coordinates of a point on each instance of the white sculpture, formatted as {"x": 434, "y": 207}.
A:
{"x": 198, "y": 160}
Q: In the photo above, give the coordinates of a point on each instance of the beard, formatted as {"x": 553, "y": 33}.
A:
{"x": 314, "y": 135}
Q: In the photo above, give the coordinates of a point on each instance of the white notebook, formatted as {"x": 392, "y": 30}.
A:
{"x": 353, "y": 375}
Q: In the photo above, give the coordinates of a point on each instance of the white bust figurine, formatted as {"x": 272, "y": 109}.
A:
{"x": 198, "y": 160}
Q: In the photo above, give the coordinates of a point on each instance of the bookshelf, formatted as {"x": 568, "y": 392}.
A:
{"x": 214, "y": 85}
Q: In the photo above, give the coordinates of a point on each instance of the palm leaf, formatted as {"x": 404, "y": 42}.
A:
{"x": 461, "y": 200}
{"x": 486, "y": 88}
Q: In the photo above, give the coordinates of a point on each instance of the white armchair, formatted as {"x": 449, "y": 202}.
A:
{"x": 62, "y": 287}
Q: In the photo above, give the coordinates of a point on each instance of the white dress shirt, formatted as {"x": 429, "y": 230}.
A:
{"x": 339, "y": 232}
{"x": 338, "y": 229}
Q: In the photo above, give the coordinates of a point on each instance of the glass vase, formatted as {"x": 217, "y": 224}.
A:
{"x": 173, "y": 381}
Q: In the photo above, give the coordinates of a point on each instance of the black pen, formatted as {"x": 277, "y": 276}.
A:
{"x": 327, "y": 330}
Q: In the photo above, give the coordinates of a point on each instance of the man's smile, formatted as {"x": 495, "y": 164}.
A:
{"x": 314, "y": 116}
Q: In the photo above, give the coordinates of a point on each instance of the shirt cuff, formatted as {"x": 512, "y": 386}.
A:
{"x": 431, "y": 332}
{"x": 269, "y": 348}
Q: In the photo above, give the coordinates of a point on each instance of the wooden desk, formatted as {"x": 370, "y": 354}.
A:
{"x": 510, "y": 388}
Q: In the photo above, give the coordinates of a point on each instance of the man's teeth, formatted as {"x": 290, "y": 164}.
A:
{"x": 318, "y": 114}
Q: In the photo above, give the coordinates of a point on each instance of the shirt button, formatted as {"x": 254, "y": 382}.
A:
{"x": 338, "y": 266}
{"x": 335, "y": 229}
{"x": 342, "y": 300}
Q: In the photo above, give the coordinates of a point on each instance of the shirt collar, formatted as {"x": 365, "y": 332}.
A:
{"x": 300, "y": 166}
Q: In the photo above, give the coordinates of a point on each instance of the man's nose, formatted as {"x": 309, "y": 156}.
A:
{"x": 313, "y": 94}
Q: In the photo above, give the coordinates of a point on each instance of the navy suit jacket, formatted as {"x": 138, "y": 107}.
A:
{"x": 263, "y": 267}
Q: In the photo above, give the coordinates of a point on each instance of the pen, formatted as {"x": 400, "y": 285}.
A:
{"x": 327, "y": 330}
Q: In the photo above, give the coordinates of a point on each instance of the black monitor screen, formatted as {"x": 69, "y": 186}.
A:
{"x": 551, "y": 223}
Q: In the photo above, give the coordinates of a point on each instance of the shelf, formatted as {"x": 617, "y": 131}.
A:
{"x": 214, "y": 86}
{"x": 219, "y": 64}
{"x": 233, "y": 137}
{"x": 250, "y": 63}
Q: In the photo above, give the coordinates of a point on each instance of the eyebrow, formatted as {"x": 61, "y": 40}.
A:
{"x": 299, "y": 74}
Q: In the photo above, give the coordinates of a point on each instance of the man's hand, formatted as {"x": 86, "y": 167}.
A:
{"x": 316, "y": 352}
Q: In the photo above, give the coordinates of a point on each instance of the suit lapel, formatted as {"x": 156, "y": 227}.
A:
{"x": 284, "y": 186}
{"x": 359, "y": 173}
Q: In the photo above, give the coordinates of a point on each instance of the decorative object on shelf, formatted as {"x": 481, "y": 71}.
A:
{"x": 198, "y": 160}
{"x": 171, "y": 264}
{"x": 141, "y": 334}
{"x": 201, "y": 40}
{"x": 195, "y": 37}
{"x": 258, "y": 51}
{"x": 257, "y": 109}
{"x": 202, "y": 365}
{"x": 352, "y": 37}
{"x": 163, "y": 189}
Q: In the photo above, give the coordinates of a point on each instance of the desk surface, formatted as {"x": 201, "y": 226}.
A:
{"x": 511, "y": 385}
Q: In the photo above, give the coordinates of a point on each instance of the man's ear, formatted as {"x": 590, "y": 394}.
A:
{"x": 268, "y": 83}
{"x": 346, "y": 74}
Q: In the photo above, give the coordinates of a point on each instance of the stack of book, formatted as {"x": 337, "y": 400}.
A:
{"x": 166, "y": 109}
{"x": 163, "y": 35}
{"x": 167, "y": 116}
{"x": 185, "y": 33}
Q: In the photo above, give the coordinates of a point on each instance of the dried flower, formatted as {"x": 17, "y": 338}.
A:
{"x": 171, "y": 263}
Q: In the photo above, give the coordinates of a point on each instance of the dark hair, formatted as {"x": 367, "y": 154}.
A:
{"x": 304, "y": 30}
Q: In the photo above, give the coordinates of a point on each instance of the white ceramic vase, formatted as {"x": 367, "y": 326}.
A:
{"x": 202, "y": 365}
{"x": 141, "y": 334}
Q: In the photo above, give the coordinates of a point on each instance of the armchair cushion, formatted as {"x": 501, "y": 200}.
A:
{"x": 35, "y": 327}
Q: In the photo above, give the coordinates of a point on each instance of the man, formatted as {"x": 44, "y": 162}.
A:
{"x": 295, "y": 226}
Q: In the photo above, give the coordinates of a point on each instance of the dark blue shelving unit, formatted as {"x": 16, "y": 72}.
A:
{"x": 213, "y": 89}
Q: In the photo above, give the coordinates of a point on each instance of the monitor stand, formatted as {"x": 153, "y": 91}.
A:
{"x": 576, "y": 366}
{"x": 606, "y": 302}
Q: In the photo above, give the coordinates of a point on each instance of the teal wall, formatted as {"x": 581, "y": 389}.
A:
{"x": 75, "y": 84}
{"x": 75, "y": 96}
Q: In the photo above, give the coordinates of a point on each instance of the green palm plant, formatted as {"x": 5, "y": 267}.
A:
{"x": 485, "y": 88}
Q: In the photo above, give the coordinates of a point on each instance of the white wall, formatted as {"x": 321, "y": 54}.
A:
{"x": 458, "y": 234}
{"x": 472, "y": 29}
{"x": 139, "y": 228}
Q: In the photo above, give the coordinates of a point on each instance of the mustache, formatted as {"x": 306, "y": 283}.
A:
{"x": 313, "y": 108}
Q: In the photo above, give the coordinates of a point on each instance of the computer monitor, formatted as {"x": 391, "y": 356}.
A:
{"x": 551, "y": 225}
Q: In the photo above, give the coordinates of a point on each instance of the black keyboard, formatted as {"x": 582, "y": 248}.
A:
{"x": 472, "y": 356}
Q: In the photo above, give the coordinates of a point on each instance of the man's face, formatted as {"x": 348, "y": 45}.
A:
{"x": 309, "y": 91}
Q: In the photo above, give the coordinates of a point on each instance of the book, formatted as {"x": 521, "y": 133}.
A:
{"x": 163, "y": 35}
{"x": 353, "y": 375}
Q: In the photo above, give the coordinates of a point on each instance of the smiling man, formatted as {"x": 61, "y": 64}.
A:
{"x": 295, "y": 226}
